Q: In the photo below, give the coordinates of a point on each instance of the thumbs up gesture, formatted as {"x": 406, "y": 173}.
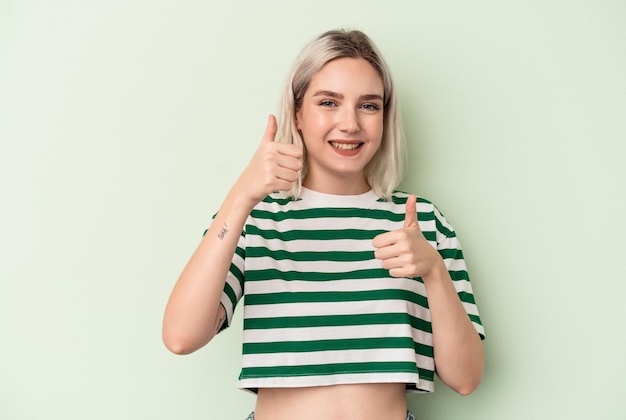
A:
{"x": 405, "y": 252}
{"x": 274, "y": 167}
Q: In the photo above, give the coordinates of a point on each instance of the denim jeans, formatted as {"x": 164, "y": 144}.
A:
{"x": 409, "y": 416}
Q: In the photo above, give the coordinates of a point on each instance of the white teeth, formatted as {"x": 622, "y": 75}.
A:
{"x": 344, "y": 146}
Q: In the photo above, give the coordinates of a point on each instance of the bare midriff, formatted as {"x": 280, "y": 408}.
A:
{"x": 385, "y": 401}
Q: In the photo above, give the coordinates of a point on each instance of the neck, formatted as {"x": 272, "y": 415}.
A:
{"x": 340, "y": 185}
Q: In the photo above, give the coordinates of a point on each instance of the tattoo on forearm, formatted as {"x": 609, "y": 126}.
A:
{"x": 223, "y": 232}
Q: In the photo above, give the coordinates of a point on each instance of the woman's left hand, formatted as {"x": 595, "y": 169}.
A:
{"x": 405, "y": 252}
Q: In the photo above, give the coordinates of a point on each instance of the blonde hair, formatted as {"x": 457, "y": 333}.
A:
{"x": 384, "y": 171}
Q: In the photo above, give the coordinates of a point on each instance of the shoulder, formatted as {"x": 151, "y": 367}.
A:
{"x": 428, "y": 213}
{"x": 275, "y": 202}
{"x": 277, "y": 199}
{"x": 424, "y": 205}
{"x": 274, "y": 207}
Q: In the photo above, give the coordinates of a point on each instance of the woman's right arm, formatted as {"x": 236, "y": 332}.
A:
{"x": 193, "y": 313}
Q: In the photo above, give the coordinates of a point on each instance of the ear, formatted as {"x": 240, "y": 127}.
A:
{"x": 298, "y": 117}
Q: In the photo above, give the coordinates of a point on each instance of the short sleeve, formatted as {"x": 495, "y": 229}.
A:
{"x": 449, "y": 248}
{"x": 233, "y": 287}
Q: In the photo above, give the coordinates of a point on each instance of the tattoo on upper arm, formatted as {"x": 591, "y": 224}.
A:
{"x": 223, "y": 231}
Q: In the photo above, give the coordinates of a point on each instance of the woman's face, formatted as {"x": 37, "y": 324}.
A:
{"x": 341, "y": 121}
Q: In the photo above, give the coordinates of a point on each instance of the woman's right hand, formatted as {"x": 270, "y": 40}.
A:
{"x": 274, "y": 167}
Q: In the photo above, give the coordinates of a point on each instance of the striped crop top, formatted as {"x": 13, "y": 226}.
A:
{"x": 318, "y": 307}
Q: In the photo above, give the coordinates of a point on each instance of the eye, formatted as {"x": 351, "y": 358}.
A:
{"x": 328, "y": 103}
{"x": 370, "y": 106}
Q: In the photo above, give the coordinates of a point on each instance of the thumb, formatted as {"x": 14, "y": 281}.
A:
{"x": 270, "y": 131}
{"x": 410, "y": 217}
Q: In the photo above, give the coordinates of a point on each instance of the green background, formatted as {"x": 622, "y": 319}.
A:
{"x": 124, "y": 123}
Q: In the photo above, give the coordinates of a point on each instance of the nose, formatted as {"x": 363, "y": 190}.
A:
{"x": 349, "y": 121}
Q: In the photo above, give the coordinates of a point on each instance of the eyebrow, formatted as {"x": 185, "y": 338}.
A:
{"x": 330, "y": 93}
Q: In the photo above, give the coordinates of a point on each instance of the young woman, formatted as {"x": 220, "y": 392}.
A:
{"x": 354, "y": 293}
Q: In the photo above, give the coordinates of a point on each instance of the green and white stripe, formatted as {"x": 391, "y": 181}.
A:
{"x": 318, "y": 307}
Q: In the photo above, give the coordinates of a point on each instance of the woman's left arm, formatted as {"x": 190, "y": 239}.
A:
{"x": 459, "y": 354}
{"x": 458, "y": 349}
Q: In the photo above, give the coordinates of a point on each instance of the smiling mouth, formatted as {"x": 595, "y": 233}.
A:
{"x": 345, "y": 146}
